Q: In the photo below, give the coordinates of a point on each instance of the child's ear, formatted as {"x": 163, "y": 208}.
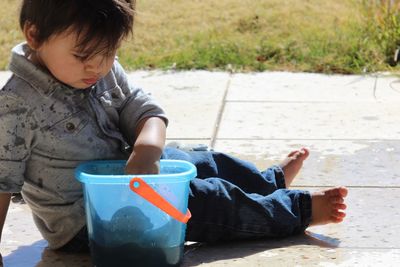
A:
{"x": 30, "y": 32}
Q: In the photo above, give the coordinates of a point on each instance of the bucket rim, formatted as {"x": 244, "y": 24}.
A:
{"x": 83, "y": 176}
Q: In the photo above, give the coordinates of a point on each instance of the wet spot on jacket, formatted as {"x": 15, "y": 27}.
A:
{"x": 19, "y": 141}
{"x": 19, "y": 111}
{"x": 52, "y": 107}
{"x": 34, "y": 126}
{"x": 90, "y": 139}
{"x": 23, "y": 125}
{"x": 44, "y": 129}
{"x": 7, "y": 147}
{"x": 30, "y": 112}
{"x": 40, "y": 183}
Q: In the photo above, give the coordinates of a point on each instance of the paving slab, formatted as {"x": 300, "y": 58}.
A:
{"x": 295, "y": 255}
{"x": 19, "y": 229}
{"x": 192, "y": 100}
{"x": 4, "y": 76}
{"x": 388, "y": 88}
{"x": 371, "y": 219}
{"x": 21, "y": 243}
{"x": 343, "y": 120}
{"x": 304, "y": 87}
{"x": 370, "y": 163}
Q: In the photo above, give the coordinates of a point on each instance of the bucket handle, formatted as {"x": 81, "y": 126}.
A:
{"x": 140, "y": 187}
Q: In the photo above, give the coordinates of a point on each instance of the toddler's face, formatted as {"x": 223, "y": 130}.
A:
{"x": 59, "y": 55}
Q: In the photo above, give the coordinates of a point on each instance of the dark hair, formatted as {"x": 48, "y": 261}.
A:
{"x": 100, "y": 24}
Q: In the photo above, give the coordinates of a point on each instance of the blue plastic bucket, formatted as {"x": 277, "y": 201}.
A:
{"x": 125, "y": 228}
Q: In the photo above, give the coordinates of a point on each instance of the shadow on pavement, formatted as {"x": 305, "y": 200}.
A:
{"x": 198, "y": 253}
{"x": 38, "y": 255}
{"x": 27, "y": 255}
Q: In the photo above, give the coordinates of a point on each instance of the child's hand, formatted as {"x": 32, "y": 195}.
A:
{"x": 143, "y": 160}
{"x": 136, "y": 167}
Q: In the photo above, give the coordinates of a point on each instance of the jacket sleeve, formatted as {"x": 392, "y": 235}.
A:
{"x": 136, "y": 106}
{"x": 16, "y": 138}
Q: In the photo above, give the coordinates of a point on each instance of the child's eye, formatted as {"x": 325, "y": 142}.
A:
{"x": 80, "y": 57}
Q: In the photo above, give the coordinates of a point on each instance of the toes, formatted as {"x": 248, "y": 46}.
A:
{"x": 301, "y": 153}
{"x": 343, "y": 191}
{"x": 293, "y": 154}
{"x": 336, "y": 219}
{"x": 337, "y": 200}
{"x": 338, "y": 214}
{"x": 337, "y": 191}
{"x": 305, "y": 152}
{"x": 339, "y": 206}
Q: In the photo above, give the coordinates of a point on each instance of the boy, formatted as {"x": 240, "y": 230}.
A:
{"x": 69, "y": 101}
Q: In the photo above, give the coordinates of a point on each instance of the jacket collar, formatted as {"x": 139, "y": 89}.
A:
{"x": 37, "y": 77}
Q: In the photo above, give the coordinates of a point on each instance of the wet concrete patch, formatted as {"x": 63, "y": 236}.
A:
{"x": 331, "y": 162}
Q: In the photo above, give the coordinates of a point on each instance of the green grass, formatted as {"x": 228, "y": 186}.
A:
{"x": 9, "y": 30}
{"x": 348, "y": 36}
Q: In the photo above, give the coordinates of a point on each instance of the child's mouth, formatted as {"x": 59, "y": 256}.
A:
{"x": 90, "y": 81}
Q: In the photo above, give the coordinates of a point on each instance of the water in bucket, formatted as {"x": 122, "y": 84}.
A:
{"x": 136, "y": 220}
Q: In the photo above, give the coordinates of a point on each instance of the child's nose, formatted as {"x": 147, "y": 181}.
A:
{"x": 95, "y": 64}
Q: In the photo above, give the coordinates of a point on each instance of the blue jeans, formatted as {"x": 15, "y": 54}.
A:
{"x": 232, "y": 200}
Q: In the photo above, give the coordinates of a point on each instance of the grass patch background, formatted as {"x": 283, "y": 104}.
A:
{"x": 348, "y": 36}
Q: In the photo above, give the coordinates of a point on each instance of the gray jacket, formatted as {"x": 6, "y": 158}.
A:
{"x": 47, "y": 128}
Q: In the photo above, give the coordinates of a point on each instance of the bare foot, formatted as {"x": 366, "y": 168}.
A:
{"x": 328, "y": 206}
{"x": 292, "y": 164}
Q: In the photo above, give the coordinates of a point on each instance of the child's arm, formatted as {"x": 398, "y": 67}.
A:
{"x": 143, "y": 124}
{"x": 148, "y": 147}
{"x": 4, "y": 203}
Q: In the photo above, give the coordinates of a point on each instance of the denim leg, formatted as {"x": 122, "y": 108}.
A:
{"x": 231, "y": 200}
{"x": 241, "y": 173}
{"x": 222, "y": 211}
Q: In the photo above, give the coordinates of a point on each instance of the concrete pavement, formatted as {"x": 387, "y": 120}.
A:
{"x": 350, "y": 123}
